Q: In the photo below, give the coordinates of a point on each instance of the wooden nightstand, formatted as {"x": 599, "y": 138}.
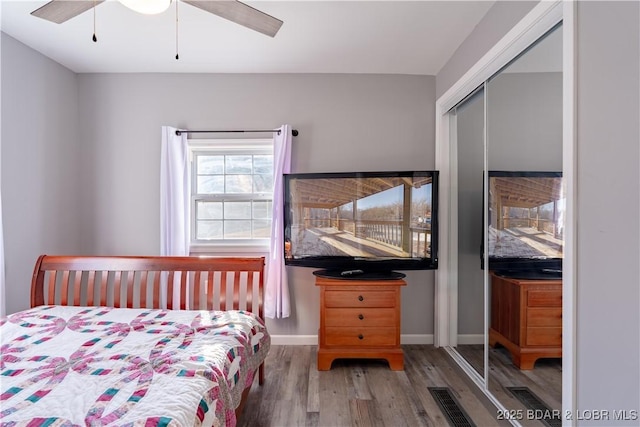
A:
{"x": 359, "y": 318}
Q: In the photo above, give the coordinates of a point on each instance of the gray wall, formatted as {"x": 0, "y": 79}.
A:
{"x": 346, "y": 123}
{"x": 40, "y": 158}
{"x": 608, "y": 198}
{"x": 97, "y": 191}
{"x": 524, "y": 122}
{"x": 608, "y": 331}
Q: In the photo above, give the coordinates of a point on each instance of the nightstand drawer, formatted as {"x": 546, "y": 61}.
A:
{"x": 544, "y": 298}
{"x": 544, "y": 336}
{"x": 542, "y": 316}
{"x": 360, "y": 317}
{"x": 354, "y": 299}
{"x": 360, "y": 337}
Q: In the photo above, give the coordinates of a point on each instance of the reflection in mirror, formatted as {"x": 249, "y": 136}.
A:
{"x": 525, "y": 233}
{"x": 468, "y": 150}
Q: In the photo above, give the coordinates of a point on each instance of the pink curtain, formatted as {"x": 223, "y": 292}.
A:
{"x": 276, "y": 304}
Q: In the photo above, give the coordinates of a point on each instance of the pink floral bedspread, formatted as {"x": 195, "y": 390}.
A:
{"x": 77, "y": 366}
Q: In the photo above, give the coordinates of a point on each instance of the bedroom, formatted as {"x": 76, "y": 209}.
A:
{"x": 59, "y": 125}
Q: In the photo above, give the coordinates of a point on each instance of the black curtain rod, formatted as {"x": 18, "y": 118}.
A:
{"x": 294, "y": 132}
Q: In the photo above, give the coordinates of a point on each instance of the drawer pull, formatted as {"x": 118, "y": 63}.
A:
{"x": 360, "y": 337}
{"x": 360, "y": 298}
{"x": 360, "y": 316}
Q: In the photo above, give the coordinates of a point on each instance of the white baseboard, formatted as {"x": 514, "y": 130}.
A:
{"x": 294, "y": 340}
{"x": 471, "y": 339}
{"x": 313, "y": 339}
{"x": 416, "y": 339}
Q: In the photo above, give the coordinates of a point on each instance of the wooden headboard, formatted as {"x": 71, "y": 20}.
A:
{"x": 185, "y": 283}
{"x": 179, "y": 283}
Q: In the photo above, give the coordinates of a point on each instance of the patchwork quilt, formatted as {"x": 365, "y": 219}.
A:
{"x": 98, "y": 366}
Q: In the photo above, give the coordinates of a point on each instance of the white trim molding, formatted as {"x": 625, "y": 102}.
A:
{"x": 544, "y": 16}
{"x": 443, "y": 328}
{"x": 470, "y": 339}
{"x": 405, "y": 339}
{"x": 569, "y": 171}
{"x": 294, "y": 340}
{"x": 421, "y": 339}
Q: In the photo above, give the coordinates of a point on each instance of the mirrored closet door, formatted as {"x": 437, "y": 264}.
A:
{"x": 506, "y": 228}
{"x": 468, "y": 154}
{"x": 525, "y": 201}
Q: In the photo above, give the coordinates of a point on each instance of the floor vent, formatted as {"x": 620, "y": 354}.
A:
{"x": 540, "y": 410}
{"x": 450, "y": 407}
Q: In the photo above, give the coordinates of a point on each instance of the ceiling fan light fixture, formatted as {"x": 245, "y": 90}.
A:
{"x": 147, "y": 7}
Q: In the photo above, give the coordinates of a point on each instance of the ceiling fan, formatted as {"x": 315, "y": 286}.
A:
{"x": 59, "y": 11}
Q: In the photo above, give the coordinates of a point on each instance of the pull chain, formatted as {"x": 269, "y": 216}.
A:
{"x": 94, "y": 38}
{"x": 177, "y": 56}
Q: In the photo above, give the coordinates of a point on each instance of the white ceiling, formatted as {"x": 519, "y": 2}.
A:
{"x": 389, "y": 37}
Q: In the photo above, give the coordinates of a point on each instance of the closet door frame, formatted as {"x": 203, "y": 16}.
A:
{"x": 544, "y": 16}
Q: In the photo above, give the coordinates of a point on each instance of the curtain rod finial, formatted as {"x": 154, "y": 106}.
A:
{"x": 294, "y": 132}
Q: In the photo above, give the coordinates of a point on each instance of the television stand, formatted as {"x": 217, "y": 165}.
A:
{"x": 526, "y": 318}
{"x": 359, "y": 318}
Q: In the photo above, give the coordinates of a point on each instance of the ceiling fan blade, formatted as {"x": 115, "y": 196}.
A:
{"x": 240, "y": 13}
{"x": 59, "y": 11}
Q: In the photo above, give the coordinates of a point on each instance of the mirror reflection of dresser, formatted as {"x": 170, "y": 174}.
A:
{"x": 526, "y": 318}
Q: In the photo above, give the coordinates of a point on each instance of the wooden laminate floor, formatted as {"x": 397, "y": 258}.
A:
{"x": 360, "y": 392}
{"x": 544, "y": 380}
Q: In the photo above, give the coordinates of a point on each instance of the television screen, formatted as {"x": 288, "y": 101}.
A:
{"x": 526, "y": 221}
{"x": 372, "y": 221}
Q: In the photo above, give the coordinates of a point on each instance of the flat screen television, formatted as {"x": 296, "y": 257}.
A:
{"x": 362, "y": 222}
{"x": 526, "y": 212}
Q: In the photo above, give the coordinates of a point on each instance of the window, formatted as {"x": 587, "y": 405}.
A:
{"x": 231, "y": 192}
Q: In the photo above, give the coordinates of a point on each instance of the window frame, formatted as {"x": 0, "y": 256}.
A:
{"x": 196, "y": 147}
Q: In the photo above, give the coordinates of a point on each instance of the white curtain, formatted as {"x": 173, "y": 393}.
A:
{"x": 276, "y": 302}
{"x": 175, "y": 193}
{"x": 3, "y": 304}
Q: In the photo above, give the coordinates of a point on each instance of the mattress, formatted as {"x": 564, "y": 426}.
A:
{"x": 67, "y": 366}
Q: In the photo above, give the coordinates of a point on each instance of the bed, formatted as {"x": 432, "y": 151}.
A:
{"x": 134, "y": 341}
